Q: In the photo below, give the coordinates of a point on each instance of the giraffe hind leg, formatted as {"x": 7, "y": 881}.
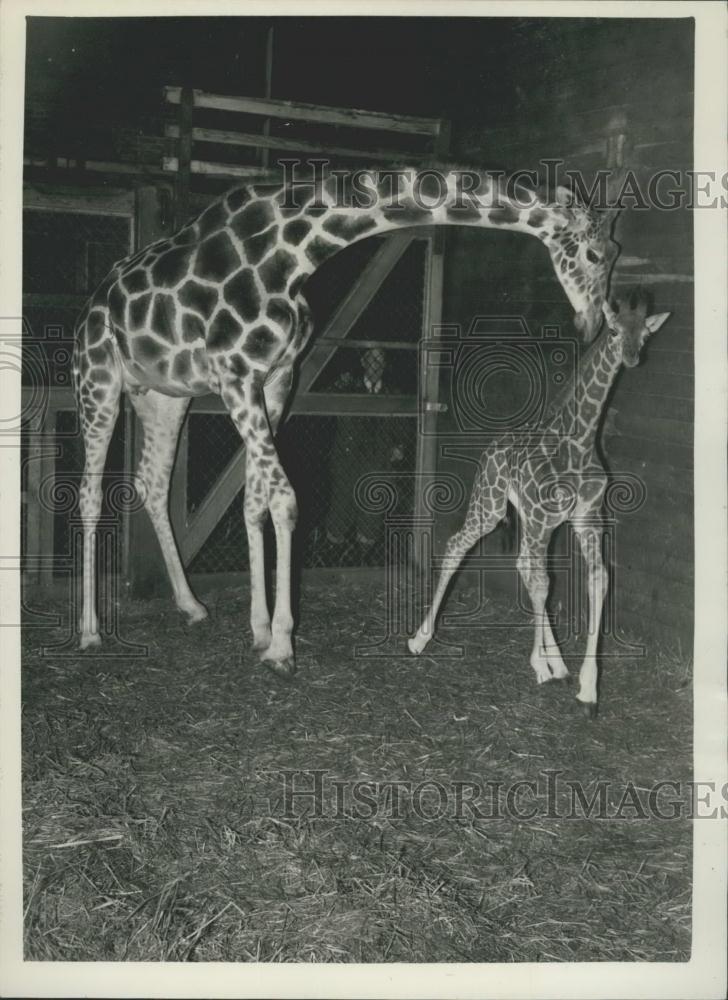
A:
{"x": 276, "y": 389}
{"x": 97, "y": 397}
{"x": 161, "y": 418}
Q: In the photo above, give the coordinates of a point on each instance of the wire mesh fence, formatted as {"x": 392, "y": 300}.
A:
{"x": 66, "y": 254}
{"x": 325, "y": 458}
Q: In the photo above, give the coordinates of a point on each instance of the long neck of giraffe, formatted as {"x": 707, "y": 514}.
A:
{"x": 587, "y": 393}
{"x": 345, "y": 210}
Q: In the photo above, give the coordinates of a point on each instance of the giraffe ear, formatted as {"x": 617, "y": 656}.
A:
{"x": 653, "y": 323}
{"x": 609, "y": 314}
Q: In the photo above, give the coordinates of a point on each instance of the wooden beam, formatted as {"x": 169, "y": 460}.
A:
{"x": 69, "y": 301}
{"x": 330, "y": 404}
{"x": 295, "y": 111}
{"x": 353, "y": 404}
{"x": 101, "y": 166}
{"x": 203, "y": 521}
{"x": 91, "y": 200}
{"x": 142, "y": 564}
{"x": 258, "y": 141}
{"x": 253, "y": 172}
{"x": 184, "y": 157}
{"x": 352, "y": 306}
{"x": 178, "y": 486}
{"x": 262, "y": 150}
{"x": 429, "y": 375}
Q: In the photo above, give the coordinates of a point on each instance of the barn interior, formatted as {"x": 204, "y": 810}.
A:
{"x": 162, "y": 759}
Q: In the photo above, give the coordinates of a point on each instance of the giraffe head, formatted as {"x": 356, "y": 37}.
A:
{"x": 630, "y": 326}
{"x": 583, "y": 254}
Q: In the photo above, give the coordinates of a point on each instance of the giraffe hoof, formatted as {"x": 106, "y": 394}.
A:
{"x": 285, "y": 669}
{"x": 197, "y": 615}
{"x": 588, "y": 708}
{"x": 90, "y": 640}
{"x": 413, "y": 647}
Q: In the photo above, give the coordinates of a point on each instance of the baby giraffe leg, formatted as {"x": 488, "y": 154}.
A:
{"x": 546, "y": 659}
{"x": 590, "y": 540}
{"x": 486, "y": 509}
{"x": 457, "y": 547}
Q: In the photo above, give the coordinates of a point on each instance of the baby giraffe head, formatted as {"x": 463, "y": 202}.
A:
{"x": 630, "y": 326}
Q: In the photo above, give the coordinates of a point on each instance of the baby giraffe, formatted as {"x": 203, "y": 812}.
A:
{"x": 557, "y": 478}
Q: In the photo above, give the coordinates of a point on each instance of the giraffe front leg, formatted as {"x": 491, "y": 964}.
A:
{"x": 559, "y": 670}
{"x": 256, "y": 512}
{"x": 267, "y": 489}
{"x": 590, "y": 539}
{"x": 279, "y": 655}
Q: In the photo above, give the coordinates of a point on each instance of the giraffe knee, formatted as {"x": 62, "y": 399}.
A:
{"x": 255, "y": 509}
{"x": 283, "y": 506}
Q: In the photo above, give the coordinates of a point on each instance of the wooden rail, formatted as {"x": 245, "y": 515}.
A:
{"x": 187, "y": 134}
{"x": 320, "y": 113}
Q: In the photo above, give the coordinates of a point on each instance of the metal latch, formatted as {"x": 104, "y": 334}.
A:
{"x": 436, "y": 407}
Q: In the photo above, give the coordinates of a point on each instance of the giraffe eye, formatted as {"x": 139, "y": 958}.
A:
{"x": 593, "y": 257}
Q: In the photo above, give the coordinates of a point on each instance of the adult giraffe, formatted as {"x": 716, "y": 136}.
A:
{"x": 219, "y": 308}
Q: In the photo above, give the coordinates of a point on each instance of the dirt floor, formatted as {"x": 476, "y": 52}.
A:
{"x": 156, "y": 823}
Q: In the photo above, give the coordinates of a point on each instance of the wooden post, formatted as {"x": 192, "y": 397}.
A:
{"x": 264, "y": 151}
{"x": 184, "y": 158}
{"x": 178, "y": 489}
{"x": 142, "y": 565}
{"x": 429, "y": 375}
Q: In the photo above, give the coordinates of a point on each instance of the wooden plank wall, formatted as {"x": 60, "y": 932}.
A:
{"x": 637, "y": 76}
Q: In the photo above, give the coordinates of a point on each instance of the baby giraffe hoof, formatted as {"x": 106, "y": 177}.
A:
{"x": 413, "y": 647}
{"x": 588, "y": 708}
{"x": 90, "y": 640}
{"x": 285, "y": 669}
{"x": 195, "y": 615}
